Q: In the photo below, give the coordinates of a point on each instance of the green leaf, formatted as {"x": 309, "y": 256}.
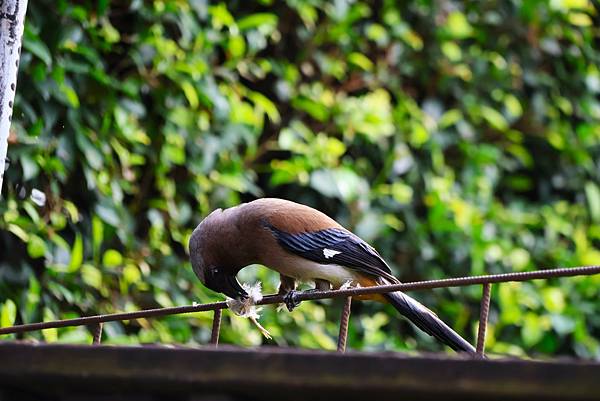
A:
{"x": 580, "y": 19}
{"x": 70, "y": 95}
{"x": 267, "y": 105}
{"x": 592, "y": 193}
{"x": 91, "y": 276}
{"x": 342, "y": 183}
{"x": 369, "y": 115}
{"x": 450, "y": 118}
{"x": 131, "y": 274}
{"x": 190, "y": 94}
{"x": 97, "y": 234}
{"x": 221, "y": 16}
{"x": 102, "y": 6}
{"x": 72, "y": 211}
{"x": 513, "y": 106}
{"x": 554, "y": 299}
{"x": 108, "y": 214}
{"x": 111, "y": 35}
{"x": 495, "y": 119}
{"x": 112, "y": 258}
{"x": 532, "y": 331}
{"x": 377, "y": 33}
{"x": 519, "y": 258}
{"x": 401, "y": 192}
{"x": 562, "y": 324}
{"x": 76, "y": 254}
{"x": 32, "y": 300}
{"x": 458, "y": 26}
{"x": 258, "y": 20}
{"x": 361, "y": 61}
{"x": 34, "y": 45}
{"x": 452, "y": 51}
{"x": 36, "y": 247}
{"x": 316, "y": 110}
{"x": 8, "y": 313}
{"x": 237, "y": 46}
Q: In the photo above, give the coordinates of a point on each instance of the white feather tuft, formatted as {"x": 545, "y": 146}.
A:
{"x": 247, "y": 307}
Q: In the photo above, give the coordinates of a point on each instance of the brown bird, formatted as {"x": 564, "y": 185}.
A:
{"x": 301, "y": 243}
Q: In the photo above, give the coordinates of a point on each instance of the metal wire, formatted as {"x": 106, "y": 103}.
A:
{"x": 312, "y": 295}
{"x": 345, "y": 318}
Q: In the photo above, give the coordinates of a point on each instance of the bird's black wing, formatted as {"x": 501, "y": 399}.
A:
{"x": 335, "y": 246}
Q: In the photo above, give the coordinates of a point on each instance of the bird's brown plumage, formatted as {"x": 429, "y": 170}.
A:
{"x": 289, "y": 216}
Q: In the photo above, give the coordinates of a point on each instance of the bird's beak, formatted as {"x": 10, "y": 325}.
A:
{"x": 233, "y": 289}
{"x": 226, "y": 283}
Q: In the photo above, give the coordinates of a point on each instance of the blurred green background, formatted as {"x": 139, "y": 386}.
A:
{"x": 458, "y": 138}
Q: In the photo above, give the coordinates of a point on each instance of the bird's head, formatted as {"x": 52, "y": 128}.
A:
{"x": 209, "y": 263}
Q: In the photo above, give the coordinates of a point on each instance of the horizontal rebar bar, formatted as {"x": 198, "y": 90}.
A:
{"x": 90, "y": 320}
{"x": 313, "y": 295}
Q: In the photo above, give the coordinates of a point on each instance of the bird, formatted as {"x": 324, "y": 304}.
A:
{"x": 302, "y": 244}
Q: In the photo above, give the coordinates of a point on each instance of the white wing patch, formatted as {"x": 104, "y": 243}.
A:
{"x": 329, "y": 253}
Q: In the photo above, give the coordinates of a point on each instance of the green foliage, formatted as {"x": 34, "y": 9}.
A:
{"x": 457, "y": 137}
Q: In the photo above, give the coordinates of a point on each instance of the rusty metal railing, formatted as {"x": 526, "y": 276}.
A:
{"x": 486, "y": 281}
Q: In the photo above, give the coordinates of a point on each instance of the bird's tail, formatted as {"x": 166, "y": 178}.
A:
{"x": 427, "y": 321}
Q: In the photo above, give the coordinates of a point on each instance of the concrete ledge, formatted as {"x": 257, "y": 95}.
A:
{"x": 42, "y": 371}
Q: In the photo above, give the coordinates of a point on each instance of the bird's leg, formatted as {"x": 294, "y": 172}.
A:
{"x": 290, "y": 297}
{"x": 286, "y": 284}
{"x": 287, "y": 287}
{"x": 322, "y": 285}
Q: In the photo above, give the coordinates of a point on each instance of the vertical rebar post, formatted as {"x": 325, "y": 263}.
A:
{"x": 98, "y": 333}
{"x": 216, "y": 327}
{"x": 341, "y": 346}
{"x": 12, "y": 18}
{"x": 483, "y": 319}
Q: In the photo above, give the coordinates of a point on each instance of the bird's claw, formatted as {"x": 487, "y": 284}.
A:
{"x": 290, "y": 300}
